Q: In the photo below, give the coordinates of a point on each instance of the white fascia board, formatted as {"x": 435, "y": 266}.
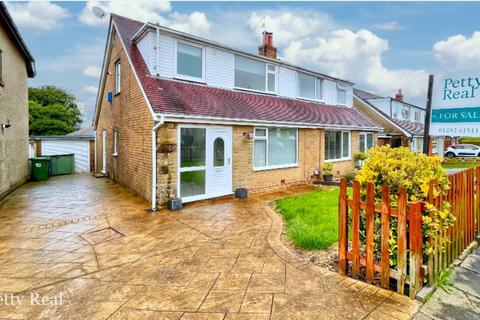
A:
{"x": 248, "y": 122}
{"x": 135, "y": 74}
{"x": 408, "y": 134}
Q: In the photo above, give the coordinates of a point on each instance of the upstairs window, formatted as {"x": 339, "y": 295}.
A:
{"x": 405, "y": 114}
{"x": 255, "y": 75}
{"x": 309, "y": 87}
{"x": 366, "y": 141}
{"x": 341, "y": 94}
{"x": 337, "y": 145}
{"x": 189, "y": 62}
{"x": 118, "y": 77}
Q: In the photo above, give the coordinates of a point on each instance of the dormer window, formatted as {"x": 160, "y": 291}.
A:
{"x": 341, "y": 94}
{"x": 309, "y": 87}
{"x": 255, "y": 75}
{"x": 189, "y": 62}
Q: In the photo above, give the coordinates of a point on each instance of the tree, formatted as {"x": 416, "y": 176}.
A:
{"x": 53, "y": 111}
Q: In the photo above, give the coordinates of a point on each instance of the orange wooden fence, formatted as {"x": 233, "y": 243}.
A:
{"x": 357, "y": 256}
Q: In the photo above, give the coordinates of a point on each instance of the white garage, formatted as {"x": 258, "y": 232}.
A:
{"x": 80, "y": 143}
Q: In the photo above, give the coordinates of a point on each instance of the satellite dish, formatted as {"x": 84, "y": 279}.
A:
{"x": 98, "y": 12}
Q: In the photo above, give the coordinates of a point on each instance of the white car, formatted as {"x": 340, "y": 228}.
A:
{"x": 463, "y": 150}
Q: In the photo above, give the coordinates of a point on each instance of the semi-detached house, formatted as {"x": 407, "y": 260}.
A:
{"x": 182, "y": 116}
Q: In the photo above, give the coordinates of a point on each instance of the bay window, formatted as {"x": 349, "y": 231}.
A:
{"x": 337, "y": 145}
{"x": 309, "y": 87}
{"x": 255, "y": 75}
{"x": 366, "y": 141}
{"x": 341, "y": 94}
{"x": 274, "y": 148}
{"x": 189, "y": 62}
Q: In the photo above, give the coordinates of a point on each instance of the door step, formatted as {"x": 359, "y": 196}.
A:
{"x": 99, "y": 175}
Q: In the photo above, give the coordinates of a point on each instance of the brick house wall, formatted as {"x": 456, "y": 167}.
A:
{"x": 311, "y": 155}
{"x": 130, "y": 116}
{"x": 13, "y": 108}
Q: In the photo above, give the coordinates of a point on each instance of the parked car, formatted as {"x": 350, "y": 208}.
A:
{"x": 463, "y": 150}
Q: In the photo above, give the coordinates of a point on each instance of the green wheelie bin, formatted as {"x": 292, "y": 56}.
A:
{"x": 62, "y": 164}
{"x": 40, "y": 168}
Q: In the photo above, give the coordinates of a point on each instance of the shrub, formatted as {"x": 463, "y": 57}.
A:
{"x": 400, "y": 167}
{"x": 327, "y": 168}
{"x": 360, "y": 156}
{"x": 349, "y": 177}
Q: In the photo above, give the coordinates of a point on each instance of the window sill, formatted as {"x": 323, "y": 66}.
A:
{"x": 116, "y": 94}
{"x": 338, "y": 160}
{"x": 190, "y": 79}
{"x": 276, "y": 167}
{"x": 312, "y": 100}
{"x": 256, "y": 91}
{"x": 115, "y": 154}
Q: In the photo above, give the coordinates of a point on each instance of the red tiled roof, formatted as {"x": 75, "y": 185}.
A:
{"x": 415, "y": 128}
{"x": 173, "y": 97}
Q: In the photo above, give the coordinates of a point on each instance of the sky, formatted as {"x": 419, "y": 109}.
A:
{"x": 380, "y": 46}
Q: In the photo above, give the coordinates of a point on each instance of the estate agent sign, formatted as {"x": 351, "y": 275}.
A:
{"x": 456, "y": 105}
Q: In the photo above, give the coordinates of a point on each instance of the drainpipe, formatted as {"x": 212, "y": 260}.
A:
{"x": 154, "y": 162}
{"x": 95, "y": 153}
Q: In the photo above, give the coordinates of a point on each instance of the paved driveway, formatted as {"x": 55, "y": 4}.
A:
{"x": 91, "y": 251}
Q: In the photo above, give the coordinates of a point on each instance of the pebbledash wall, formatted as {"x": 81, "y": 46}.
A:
{"x": 13, "y": 108}
{"x": 129, "y": 115}
{"x": 311, "y": 156}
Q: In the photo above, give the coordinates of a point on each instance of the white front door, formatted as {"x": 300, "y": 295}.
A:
{"x": 104, "y": 151}
{"x": 205, "y": 162}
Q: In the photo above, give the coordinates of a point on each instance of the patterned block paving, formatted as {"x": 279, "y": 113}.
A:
{"x": 91, "y": 242}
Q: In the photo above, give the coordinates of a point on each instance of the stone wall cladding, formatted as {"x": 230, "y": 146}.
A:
{"x": 130, "y": 116}
{"x": 13, "y": 108}
{"x": 166, "y": 164}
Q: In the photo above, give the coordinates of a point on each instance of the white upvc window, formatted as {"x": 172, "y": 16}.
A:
{"x": 189, "y": 62}
{"x": 405, "y": 114}
{"x": 341, "y": 94}
{"x": 118, "y": 77}
{"x": 309, "y": 87}
{"x": 337, "y": 146}
{"x": 417, "y": 116}
{"x": 274, "y": 148}
{"x": 115, "y": 142}
{"x": 366, "y": 141}
{"x": 255, "y": 75}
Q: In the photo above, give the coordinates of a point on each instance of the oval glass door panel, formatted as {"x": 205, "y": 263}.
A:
{"x": 218, "y": 152}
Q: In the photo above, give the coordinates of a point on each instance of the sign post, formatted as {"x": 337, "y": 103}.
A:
{"x": 428, "y": 113}
{"x": 455, "y": 105}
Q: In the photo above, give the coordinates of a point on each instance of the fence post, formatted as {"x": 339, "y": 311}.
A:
{"x": 402, "y": 240}
{"x": 430, "y": 239}
{"x": 356, "y": 228}
{"x": 478, "y": 201}
{"x": 385, "y": 262}
{"x": 342, "y": 228}
{"x": 370, "y": 212}
{"x": 416, "y": 251}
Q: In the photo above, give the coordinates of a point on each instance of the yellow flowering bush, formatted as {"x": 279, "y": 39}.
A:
{"x": 400, "y": 167}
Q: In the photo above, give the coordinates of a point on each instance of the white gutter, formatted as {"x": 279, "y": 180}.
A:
{"x": 154, "y": 162}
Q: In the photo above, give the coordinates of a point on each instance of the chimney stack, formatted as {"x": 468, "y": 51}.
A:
{"x": 399, "y": 95}
{"x": 267, "y": 49}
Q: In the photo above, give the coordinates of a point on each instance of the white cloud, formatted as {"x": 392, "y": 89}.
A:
{"x": 37, "y": 15}
{"x": 147, "y": 11}
{"x": 90, "y": 89}
{"x": 290, "y": 25}
{"x": 92, "y": 71}
{"x": 459, "y": 52}
{"x": 389, "y": 26}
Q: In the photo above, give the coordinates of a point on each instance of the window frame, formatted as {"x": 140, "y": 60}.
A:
{"x": 115, "y": 143}
{"x": 175, "y": 61}
{"x": 117, "y": 77}
{"x": 366, "y": 148}
{"x": 315, "y": 81}
{"x": 341, "y": 151}
{"x": 342, "y": 87}
{"x": 267, "y": 72}
{"x": 265, "y": 138}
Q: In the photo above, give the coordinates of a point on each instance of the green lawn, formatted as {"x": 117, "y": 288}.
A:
{"x": 311, "y": 219}
{"x": 458, "y": 165}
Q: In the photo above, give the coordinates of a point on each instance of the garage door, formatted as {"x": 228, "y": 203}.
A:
{"x": 78, "y": 147}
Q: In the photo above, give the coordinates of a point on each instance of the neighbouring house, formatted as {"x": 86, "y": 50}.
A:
{"x": 81, "y": 143}
{"x": 403, "y": 122}
{"x": 212, "y": 119}
{"x": 16, "y": 66}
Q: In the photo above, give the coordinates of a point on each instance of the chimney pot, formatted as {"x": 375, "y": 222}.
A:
{"x": 399, "y": 95}
{"x": 267, "y": 49}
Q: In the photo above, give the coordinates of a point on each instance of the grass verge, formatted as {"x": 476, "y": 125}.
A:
{"x": 311, "y": 219}
{"x": 458, "y": 165}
